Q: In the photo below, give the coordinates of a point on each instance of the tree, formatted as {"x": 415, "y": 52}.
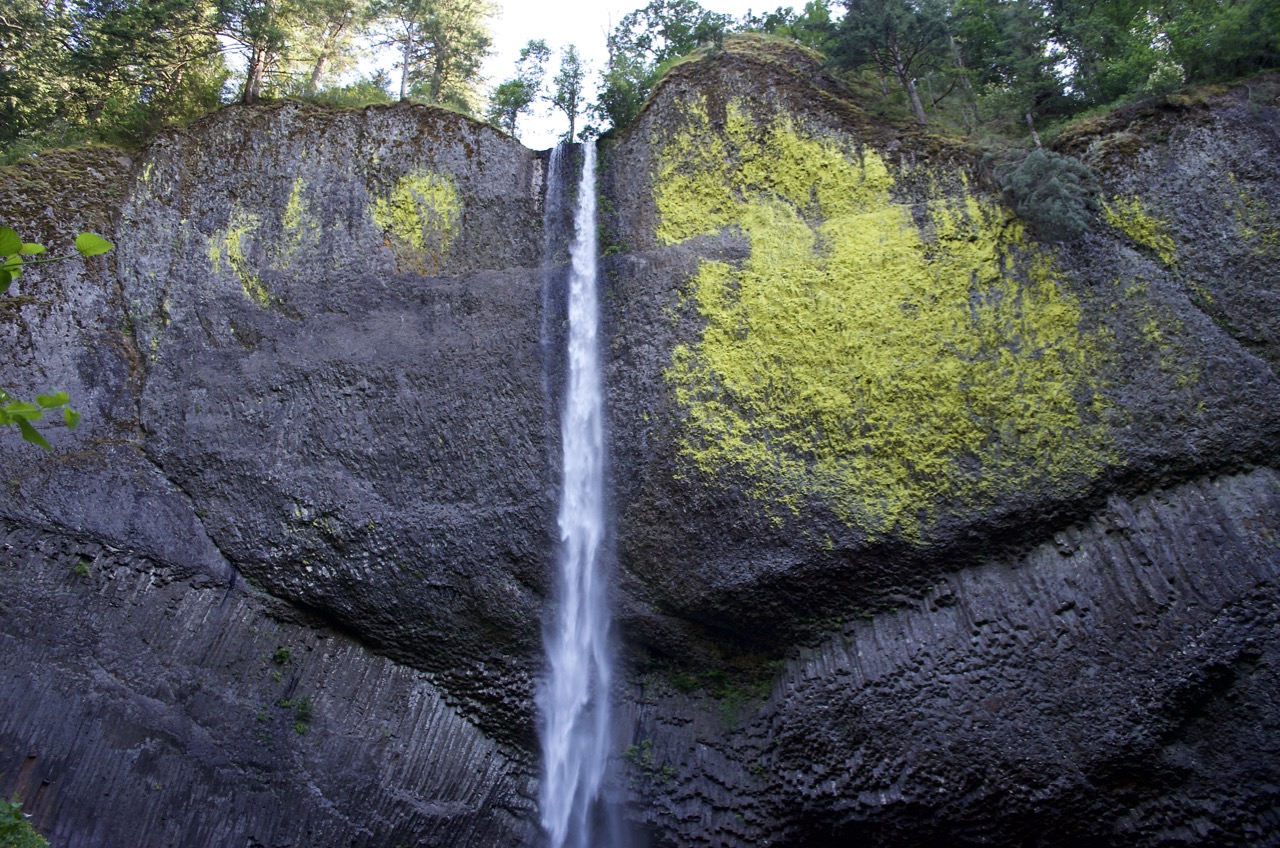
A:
{"x": 813, "y": 27}
{"x": 139, "y": 64}
{"x": 1008, "y": 48}
{"x": 110, "y": 70}
{"x": 513, "y": 97}
{"x": 15, "y": 828}
{"x": 641, "y": 46}
{"x": 624, "y": 85}
{"x": 34, "y": 83}
{"x": 441, "y": 44}
{"x": 15, "y": 256}
{"x": 668, "y": 29}
{"x": 324, "y": 39}
{"x": 901, "y": 38}
{"x": 260, "y": 29}
{"x": 1056, "y": 195}
{"x": 1219, "y": 39}
{"x": 567, "y": 93}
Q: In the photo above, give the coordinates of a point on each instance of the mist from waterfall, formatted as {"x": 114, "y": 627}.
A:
{"x": 574, "y": 699}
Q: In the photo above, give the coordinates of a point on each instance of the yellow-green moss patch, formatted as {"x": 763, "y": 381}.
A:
{"x": 1254, "y": 219}
{"x": 228, "y": 246}
{"x": 420, "y": 217}
{"x": 299, "y": 229}
{"x": 1131, "y": 217}
{"x": 858, "y": 359}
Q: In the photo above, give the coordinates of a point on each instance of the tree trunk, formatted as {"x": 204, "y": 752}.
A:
{"x": 313, "y": 84}
{"x": 437, "y": 74}
{"x": 969, "y": 102}
{"x": 330, "y": 45}
{"x": 404, "y": 71}
{"x": 1031, "y": 125}
{"x": 910, "y": 85}
{"x": 254, "y": 75}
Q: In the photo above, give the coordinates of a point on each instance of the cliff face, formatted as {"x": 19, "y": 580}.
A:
{"x": 312, "y": 382}
{"x": 927, "y": 531}
{"x": 858, "y": 408}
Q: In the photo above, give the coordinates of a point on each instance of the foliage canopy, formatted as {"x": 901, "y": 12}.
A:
{"x": 16, "y": 830}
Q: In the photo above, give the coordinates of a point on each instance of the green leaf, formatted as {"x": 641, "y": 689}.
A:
{"x": 23, "y": 411}
{"x": 54, "y": 400}
{"x": 13, "y": 264}
{"x": 90, "y": 244}
{"x": 10, "y": 242}
{"x": 71, "y": 417}
{"x": 6, "y": 280}
{"x": 31, "y": 249}
{"x": 31, "y": 434}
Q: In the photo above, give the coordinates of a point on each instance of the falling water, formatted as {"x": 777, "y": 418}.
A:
{"x": 574, "y": 700}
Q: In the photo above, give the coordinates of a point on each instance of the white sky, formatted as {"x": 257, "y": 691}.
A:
{"x": 585, "y": 23}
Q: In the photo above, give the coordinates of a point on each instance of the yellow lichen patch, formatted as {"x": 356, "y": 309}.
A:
{"x": 1254, "y": 219}
{"x": 1131, "y": 217}
{"x": 300, "y": 231}
{"x": 420, "y": 218}
{"x": 1162, "y": 331}
{"x": 229, "y": 245}
{"x": 856, "y": 359}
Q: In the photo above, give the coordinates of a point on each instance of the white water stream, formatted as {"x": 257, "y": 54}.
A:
{"x": 574, "y": 700}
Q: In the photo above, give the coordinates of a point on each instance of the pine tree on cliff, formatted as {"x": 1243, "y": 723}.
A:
{"x": 441, "y": 45}
{"x": 567, "y": 96}
{"x": 325, "y": 40}
{"x": 112, "y": 70}
{"x": 641, "y": 46}
{"x": 260, "y": 30}
{"x": 901, "y": 38}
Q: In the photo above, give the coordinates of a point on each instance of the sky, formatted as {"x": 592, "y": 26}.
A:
{"x": 584, "y": 23}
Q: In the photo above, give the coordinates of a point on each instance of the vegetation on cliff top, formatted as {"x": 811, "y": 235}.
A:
{"x": 117, "y": 71}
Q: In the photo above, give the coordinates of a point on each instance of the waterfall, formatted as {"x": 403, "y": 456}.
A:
{"x": 574, "y": 699}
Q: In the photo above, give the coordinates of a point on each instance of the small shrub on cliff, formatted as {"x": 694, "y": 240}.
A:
{"x": 1056, "y": 195}
{"x": 15, "y": 829}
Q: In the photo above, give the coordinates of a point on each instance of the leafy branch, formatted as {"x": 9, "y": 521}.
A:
{"x": 14, "y": 258}
{"x": 13, "y": 249}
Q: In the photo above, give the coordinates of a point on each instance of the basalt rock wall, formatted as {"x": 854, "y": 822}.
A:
{"x": 928, "y": 530}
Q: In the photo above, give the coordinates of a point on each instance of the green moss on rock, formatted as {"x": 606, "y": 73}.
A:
{"x": 1255, "y": 222}
{"x": 300, "y": 229}
{"x": 1131, "y": 216}
{"x": 420, "y": 217}
{"x": 229, "y": 246}
{"x": 878, "y": 365}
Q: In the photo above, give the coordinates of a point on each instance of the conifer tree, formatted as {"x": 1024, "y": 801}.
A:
{"x": 441, "y": 45}
{"x": 901, "y": 38}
